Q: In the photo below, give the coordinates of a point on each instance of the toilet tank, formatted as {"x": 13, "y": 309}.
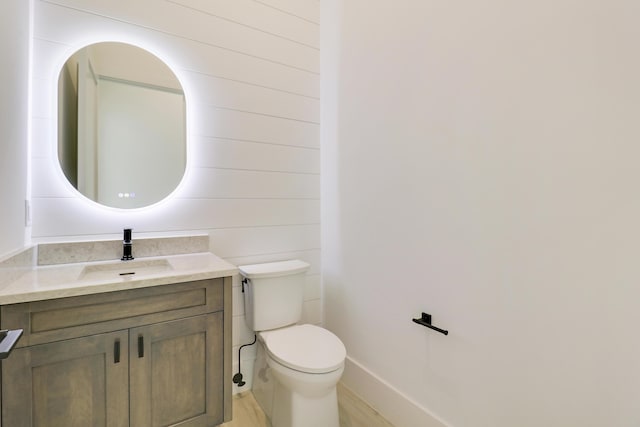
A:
{"x": 273, "y": 293}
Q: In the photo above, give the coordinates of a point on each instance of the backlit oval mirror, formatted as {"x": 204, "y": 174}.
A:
{"x": 121, "y": 125}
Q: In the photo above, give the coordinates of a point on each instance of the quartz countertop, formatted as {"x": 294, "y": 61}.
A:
{"x": 66, "y": 280}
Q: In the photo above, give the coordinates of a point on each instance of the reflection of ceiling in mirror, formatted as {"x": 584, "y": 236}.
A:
{"x": 127, "y": 62}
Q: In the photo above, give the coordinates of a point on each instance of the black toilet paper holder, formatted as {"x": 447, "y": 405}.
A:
{"x": 425, "y": 320}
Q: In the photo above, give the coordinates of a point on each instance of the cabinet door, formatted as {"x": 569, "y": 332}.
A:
{"x": 74, "y": 383}
{"x": 177, "y": 372}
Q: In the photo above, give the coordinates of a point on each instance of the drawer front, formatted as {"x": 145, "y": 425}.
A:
{"x": 65, "y": 318}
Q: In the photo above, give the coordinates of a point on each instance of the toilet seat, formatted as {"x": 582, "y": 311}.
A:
{"x": 305, "y": 348}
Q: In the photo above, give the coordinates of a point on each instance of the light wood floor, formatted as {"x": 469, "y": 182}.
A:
{"x": 353, "y": 412}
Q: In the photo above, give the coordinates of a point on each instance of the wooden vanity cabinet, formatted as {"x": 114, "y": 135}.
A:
{"x": 151, "y": 357}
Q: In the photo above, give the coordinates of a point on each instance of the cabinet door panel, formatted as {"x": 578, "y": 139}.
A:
{"x": 177, "y": 372}
{"x": 73, "y": 383}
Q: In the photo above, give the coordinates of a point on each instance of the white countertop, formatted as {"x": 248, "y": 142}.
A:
{"x": 66, "y": 280}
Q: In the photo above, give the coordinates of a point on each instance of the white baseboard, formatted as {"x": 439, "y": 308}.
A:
{"x": 398, "y": 409}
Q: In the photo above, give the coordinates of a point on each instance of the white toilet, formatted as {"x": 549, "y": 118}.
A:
{"x": 297, "y": 366}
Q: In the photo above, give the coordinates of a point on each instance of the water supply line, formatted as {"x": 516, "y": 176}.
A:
{"x": 237, "y": 378}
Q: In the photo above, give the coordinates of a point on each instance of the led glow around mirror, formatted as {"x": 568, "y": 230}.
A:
{"x": 121, "y": 125}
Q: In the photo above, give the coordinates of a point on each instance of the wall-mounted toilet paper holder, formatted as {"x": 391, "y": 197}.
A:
{"x": 425, "y": 320}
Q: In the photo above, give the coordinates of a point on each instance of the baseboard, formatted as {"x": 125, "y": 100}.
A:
{"x": 397, "y": 408}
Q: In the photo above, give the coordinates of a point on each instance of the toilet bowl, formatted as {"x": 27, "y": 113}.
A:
{"x": 297, "y": 365}
{"x": 306, "y": 362}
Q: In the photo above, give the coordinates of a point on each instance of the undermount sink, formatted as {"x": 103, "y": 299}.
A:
{"x": 125, "y": 269}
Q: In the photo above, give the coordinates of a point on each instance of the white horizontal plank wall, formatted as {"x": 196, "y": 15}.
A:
{"x": 250, "y": 71}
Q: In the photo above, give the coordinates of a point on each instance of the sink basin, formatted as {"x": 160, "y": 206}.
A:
{"x": 125, "y": 269}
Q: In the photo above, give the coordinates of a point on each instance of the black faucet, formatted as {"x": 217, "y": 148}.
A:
{"x": 127, "y": 246}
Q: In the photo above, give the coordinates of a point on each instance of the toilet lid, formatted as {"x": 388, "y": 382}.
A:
{"x": 305, "y": 348}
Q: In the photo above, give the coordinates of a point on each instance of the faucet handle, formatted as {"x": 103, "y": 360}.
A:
{"x": 127, "y": 235}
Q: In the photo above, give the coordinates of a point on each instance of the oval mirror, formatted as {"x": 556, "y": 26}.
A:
{"x": 121, "y": 125}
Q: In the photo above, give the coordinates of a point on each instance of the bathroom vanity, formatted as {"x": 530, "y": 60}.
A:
{"x": 114, "y": 349}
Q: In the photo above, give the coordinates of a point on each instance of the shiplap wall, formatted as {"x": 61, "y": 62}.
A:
{"x": 250, "y": 71}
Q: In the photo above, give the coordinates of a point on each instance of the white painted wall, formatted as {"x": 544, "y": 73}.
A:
{"x": 480, "y": 163}
{"x": 14, "y": 86}
{"x": 250, "y": 71}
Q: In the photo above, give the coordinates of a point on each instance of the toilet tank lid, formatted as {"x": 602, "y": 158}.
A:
{"x": 273, "y": 269}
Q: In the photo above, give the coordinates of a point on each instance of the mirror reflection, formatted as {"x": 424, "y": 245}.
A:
{"x": 121, "y": 125}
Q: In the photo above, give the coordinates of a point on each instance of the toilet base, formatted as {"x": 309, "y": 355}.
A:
{"x": 291, "y": 409}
